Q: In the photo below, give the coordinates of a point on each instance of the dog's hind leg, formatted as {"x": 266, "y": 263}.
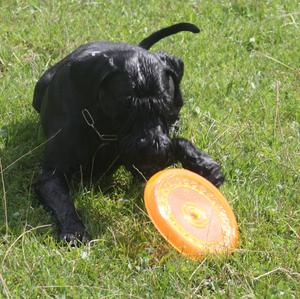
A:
{"x": 193, "y": 159}
{"x": 53, "y": 193}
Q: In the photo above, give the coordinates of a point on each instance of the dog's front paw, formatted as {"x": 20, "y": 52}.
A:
{"x": 211, "y": 171}
{"x": 215, "y": 175}
{"x": 75, "y": 238}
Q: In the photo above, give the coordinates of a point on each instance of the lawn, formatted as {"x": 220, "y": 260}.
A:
{"x": 242, "y": 106}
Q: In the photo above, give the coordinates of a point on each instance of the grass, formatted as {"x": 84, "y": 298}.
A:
{"x": 241, "y": 90}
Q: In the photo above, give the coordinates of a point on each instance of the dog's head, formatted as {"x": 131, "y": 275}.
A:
{"x": 138, "y": 92}
{"x": 141, "y": 96}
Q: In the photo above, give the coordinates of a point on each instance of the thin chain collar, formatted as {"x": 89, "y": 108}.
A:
{"x": 91, "y": 123}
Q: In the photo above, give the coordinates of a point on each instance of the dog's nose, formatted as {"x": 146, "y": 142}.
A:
{"x": 153, "y": 145}
{"x": 162, "y": 143}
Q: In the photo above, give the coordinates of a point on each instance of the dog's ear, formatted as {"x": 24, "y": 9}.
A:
{"x": 90, "y": 70}
{"x": 174, "y": 64}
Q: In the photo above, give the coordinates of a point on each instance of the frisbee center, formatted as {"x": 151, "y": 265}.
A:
{"x": 194, "y": 215}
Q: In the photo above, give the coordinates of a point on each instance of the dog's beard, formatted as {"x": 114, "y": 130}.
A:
{"x": 146, "y": 150}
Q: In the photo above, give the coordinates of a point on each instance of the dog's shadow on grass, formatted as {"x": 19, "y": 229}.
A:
{"x": 21, "y": 149}
{"x": 20, "y": 153}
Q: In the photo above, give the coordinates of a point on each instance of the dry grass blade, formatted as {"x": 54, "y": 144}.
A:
{"x": 294, "y": 231}
{"x": 218, "y": 138}
{"x": 5, "y": 288}
{"x": 139, "y": 172}
{"x": 276, "y": 119}
{"x": 198, "y": 267}
{"x": 4, "y": 199}
{"x": 31, "y": 151}
{"x": 278, "y": 61}
{"x": 69, "y": 286}
{"x": 279, "y": 269}
{"x": 19, "y": 237}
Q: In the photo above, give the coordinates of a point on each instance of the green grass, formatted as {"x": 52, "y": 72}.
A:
{"x": 241, "y": 90}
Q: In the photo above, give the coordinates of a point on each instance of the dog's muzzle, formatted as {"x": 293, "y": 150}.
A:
{"x": 146, "y": 152}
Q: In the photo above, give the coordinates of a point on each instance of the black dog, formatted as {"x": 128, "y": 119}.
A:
{"x": 110, "y": 104}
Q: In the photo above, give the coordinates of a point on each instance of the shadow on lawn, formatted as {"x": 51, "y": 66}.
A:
{"x": 20, "y": 160}
{"x": 22, "y": 148}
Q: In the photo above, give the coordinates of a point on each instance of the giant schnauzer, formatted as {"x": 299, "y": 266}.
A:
{"x": 109, "y": 104}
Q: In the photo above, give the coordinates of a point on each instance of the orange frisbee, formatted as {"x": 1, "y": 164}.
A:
{"x": 190, "y": 213}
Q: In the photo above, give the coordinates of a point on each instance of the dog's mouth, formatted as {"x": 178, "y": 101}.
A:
{"x": 146, "y": 166}
{"x": 147, "y": 154}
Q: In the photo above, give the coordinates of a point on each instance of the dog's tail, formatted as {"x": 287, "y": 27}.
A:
{"x": 149, "y": 41}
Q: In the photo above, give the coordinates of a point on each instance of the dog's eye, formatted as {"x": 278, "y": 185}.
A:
{"x": 118, "y": 85}
{"x": 171, "y": 86}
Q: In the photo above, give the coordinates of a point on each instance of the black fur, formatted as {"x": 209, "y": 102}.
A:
{"x": 110, "y": 104}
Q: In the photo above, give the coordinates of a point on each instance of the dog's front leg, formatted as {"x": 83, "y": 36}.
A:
{"x": 53, "y": 193}
{"x": 193, "y": 159}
